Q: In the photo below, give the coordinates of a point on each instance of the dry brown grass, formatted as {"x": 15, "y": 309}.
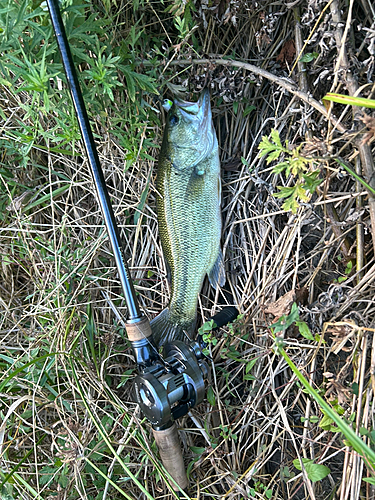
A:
{"x": 59, "y": 288}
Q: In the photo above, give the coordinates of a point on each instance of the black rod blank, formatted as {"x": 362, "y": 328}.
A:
{"x": 96, "y": 170}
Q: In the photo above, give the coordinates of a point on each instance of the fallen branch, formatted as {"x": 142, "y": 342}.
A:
{"x": 281, "y": 82}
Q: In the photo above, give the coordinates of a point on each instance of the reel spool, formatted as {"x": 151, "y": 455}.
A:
{"x": 167, "y": 392}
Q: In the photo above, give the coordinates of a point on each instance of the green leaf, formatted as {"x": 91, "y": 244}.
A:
{"x": 47, "y": 474}
{"x": 197, "y": 450}
{"x": 370, "y": 480}
{"x": 349, "y": 267}
{"x": 286, "y": 321}
{"x": 211, "y": 396}
{"x": 63, "y": 480}
{"x": 327, "y": 424}
{"x": 248, "y": 110}
{"x": 301, "y": 193}
{"x": 271, "y": 149}
{"x": 363, "y": 431}
{"x": 268, "y": 493}
{"x": 304, "y": 330}
{"x": 310, "y": 56}
{"x": 142, "y": 201}
{"x": 355, "y": 175}
{"x": 285, "y": 192}
{"x": 250, "y": 365}
{"x": 314, "y": 419}
{"x": 312, "y": 181}
{"x": 280, "y": 167}
{"x": 276, "y": 138}
{"x": 291, "y": 204}
{"x": 265, "y": 145}
{"x": 355, "y": 388}
{"x": 355, "y": 441}
{"x": 315, "y": 472}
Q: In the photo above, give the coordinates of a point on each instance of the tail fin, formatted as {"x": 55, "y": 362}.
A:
{"x": 164, "y": 329}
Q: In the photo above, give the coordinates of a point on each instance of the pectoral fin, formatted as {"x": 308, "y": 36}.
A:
{"x": 217, "y": 274}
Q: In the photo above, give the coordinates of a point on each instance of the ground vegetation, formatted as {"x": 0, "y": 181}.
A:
{"x": 298, "y": 240}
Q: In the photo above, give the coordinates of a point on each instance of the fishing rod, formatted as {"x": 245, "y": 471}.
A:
{"x": 169, "y": 385}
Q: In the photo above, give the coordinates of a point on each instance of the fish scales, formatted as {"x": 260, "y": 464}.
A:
{"x": 189, "y": 217}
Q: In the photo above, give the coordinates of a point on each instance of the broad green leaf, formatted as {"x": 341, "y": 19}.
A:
{"x": 197, "y": 450}
{"x": 363, "y": 431}
{"x": 326, "y": 423}
{"x": 304, "y": 330}
{"x": 315, "y": 472}
{"x": 211, "y": 396}
{"x": 310, "y": 56}
{"x": 248, "y": 110}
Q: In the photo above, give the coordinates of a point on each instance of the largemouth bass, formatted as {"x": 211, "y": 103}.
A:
{"x": 189, "y": 217}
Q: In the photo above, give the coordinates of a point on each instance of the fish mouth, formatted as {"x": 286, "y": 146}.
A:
{"x": 196, "y": 111}
{"x": 198, "y": 126}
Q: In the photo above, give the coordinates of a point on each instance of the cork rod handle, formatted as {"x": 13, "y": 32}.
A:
{"x": 169, "y": 446}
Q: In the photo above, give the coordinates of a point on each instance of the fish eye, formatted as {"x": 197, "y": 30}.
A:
{"x": 173, "y": 120}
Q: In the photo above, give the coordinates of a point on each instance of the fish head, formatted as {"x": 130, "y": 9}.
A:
{"x": 189, "y": 135}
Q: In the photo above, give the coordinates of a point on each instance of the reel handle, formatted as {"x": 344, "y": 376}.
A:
{"x": 225, "y": 316}
{"x": 170, "y": 452}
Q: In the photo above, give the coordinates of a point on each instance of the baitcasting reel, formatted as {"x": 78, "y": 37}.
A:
{"x": 166, "y": 392}
{"x": 170, "y": 386}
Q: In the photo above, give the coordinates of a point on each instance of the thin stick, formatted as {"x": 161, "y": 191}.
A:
{"x": 282, "y": 82}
